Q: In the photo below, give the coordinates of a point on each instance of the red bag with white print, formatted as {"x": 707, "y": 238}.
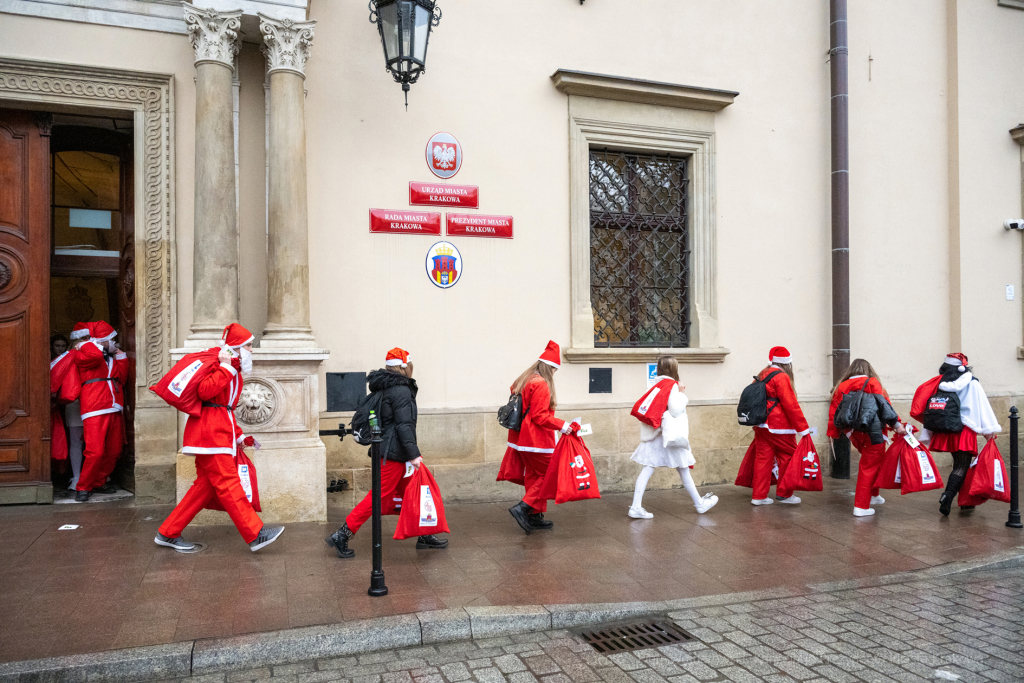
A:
{"x": 570, "y": 474}
{"x": 803, "y": 473}
{"x": 651, "y": 407}
{"x": 422, "y": 512}
{"x": 990, "y": 479}
{"x": 247, "y": 476}
{"x": 512, "y": 467}
{"x": 745, "y": 477}
{"x": 179, "y": 388}
{"x": 964, "y": 498}
{"x": 917, "y": 469}
{"x": 889, "y": 476}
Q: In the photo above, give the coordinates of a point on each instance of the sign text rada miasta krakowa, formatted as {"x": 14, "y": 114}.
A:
{"x": 440, "y": 194}
{"x": 405, "y": 222}
{"x": 478, "y": 225}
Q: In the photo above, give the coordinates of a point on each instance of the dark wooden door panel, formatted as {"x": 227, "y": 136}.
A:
{"x": 14, "y": 171}
{"x": 14, "y": 389}
{"x": 15, "y": 457}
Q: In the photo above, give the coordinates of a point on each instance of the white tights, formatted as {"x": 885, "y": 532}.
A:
{"x": 645, "y": 476}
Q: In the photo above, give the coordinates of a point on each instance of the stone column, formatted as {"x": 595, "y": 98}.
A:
{"x": 286, "y": 44}
{"x": 214, "y": 37}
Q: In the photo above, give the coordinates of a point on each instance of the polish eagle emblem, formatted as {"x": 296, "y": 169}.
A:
{"x": 444, "y": 156}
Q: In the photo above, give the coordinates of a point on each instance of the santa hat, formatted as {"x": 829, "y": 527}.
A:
{"x": 235, "y": 336}
{"x": 780, "y": 354}
{"x": 397, "y": 356}
{"x": 956, "y": 359}
{"x": 101, "y": 331}
{"x": 80, "y": 332}
{"x": 552, "y": 355}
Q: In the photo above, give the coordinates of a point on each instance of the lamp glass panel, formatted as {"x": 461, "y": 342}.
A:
{"x": 389, "y": 25}
{"x": 406, "y": 28}
{"x": 422, "y": 32}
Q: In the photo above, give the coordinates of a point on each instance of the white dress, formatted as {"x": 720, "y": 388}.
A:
{"x": 651, "y": 452}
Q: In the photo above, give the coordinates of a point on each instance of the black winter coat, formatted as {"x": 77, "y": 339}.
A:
{"x": 874, "y": 414}
{"x": 397, "y": 414}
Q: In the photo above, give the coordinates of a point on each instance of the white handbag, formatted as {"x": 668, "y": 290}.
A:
{"x": 675, "y": 431}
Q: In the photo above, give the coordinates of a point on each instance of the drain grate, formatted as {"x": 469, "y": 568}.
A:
{"x": 635, "y": 636}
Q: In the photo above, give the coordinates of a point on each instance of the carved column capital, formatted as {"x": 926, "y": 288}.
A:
{"x": 214, "y": 34}
{"x": 286, "y": 43}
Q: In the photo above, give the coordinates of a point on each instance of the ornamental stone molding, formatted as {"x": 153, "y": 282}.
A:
{"x": 214, "y": 34}
{"x": 258, "y": 403}
{"x": 286, "y": 44}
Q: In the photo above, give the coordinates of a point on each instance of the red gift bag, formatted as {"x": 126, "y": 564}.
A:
{"x": 512, "y": 468}
{"x": 65, "y": 382}
{"x": 803, "y": 473}
{"x": 990, "y": 479}
{"x": 889, "y": 473}
{"x": 58, "y": 435}
{"x": 917, "y": 469}
{"x": 422, "y": 511}
{"x": 247, "y": 475}
{"x": 393, "y": 505}
{"x": 179, "y": 388}
{"x": 570, "y": 474}
{"x": 964, "y": 498}
{"x": 745, "y": 477}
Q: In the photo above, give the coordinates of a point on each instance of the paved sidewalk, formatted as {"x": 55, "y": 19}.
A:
{"x": 106, "y": 585}
{"x": 965, "y": 627}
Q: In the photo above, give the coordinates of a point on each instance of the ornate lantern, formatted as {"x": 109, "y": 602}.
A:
{"x": 404, "y": 27}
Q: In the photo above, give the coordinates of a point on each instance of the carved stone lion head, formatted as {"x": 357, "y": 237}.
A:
{"x": 257, "y": 404}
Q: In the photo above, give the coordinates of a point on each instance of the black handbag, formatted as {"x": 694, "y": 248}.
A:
{"x": 848, "y": 414}
{"x": 511, "y": 415}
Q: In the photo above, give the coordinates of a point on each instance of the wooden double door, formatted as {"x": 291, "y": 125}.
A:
{"x": 49, "y": 198}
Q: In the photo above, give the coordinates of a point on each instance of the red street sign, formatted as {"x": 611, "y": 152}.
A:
{"x": 478, "y": 225}
{"x": 405, "y": 222}
{"x": 440, "y": 194}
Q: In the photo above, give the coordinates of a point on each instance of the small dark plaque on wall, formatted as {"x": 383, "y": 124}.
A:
{"x": 345, "y": 390}
{"x": 600, "y": 380}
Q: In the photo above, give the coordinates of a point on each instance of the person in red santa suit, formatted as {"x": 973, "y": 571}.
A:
{"x": 774, "y": 440}
{"x": 213, "y": 439}
{"x": 73, "y": 413}
{"x": 535, "y": 440}
{"x": 103, "y": 370}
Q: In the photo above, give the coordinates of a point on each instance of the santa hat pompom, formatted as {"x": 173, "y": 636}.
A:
{"x": 80, "y": 331}
{"x": 552, "y": 355}
{"x": 235, "y": 336}
{"x": 956, "y": 359}
{"x": 397, "y": 357}
{"x": 780, "y": 354}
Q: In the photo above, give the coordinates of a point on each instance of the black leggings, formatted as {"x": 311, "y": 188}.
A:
{"x": 961, "y": 461}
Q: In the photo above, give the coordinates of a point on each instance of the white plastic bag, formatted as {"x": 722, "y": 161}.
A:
{"x": 675, "y": 431}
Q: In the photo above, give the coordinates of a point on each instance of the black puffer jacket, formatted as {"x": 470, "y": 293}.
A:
{"x": 875, "y": 412}
{"x": 397, "y": 414}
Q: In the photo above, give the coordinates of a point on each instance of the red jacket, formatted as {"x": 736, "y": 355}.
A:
{"x": 786, "y": 417}
{"x": 215, "y": 430}
{"x": 102, "y": 378}
{"x": 853, "y": 384}
{"x": 537, "y": 434}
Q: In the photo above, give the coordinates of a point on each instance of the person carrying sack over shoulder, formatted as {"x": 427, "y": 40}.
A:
{"x": 861, "y": 409}
{"x": 775, "y": 438}
{"x": 396, "y": 390}
{"x": 954, "y": 410}
{"x": 534, "y": 441}
{"x": 664, "y": 438}
{"x": 213, "y": 439}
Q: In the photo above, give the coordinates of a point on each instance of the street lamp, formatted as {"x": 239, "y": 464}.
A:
{"x": 404, "y": 27}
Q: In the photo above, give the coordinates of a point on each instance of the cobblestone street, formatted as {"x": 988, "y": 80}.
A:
{"x": 966, "y": 627}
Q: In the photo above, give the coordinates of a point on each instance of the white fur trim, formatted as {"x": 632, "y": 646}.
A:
{"x": 121, "y": 356}
{"x": 785, "y": 360}
{"x": 975, "y": 410}
{"x": 392, "y": 362}
{"x": 78, "y": 334}
{"x": 238, "y": 346}
{"x": 57, "y": 359}
{"x": 105, "y": 411}
{"x": 949, "y": 360}
{"x": 529, "y": 449}
{"x": 107, "y": 338}
{"x": 552, "y": 364}
{"x": 803, "y": 433}
{"x": 229, "y": 368}
{"x": 196, "y": 450}
{"x": 776, "y": 431}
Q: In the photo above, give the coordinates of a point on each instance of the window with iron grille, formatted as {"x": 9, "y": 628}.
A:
{"x": 639, "y": 249}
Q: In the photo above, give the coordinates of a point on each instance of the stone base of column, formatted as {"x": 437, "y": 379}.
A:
{"x": 286, "y": 337}
{"x": 202, "y": 336}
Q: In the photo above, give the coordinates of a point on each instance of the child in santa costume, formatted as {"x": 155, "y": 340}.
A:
{"x": 397, "y": 391}
{"x": 213, "y": 439}
{"x": 860, "y": 376}
{"x": 103, "y": 370}
{"x": 668, "y": 401}
{"x": 775, "y": 439}
{"x": 73, "y": 413}
{"x": 535, "y": 440}
{"x": 976, "y": 414}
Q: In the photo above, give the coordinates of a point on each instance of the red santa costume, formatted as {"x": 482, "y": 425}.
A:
{"x": 73, "y": 411}
{"x": 214, "y": 438}
{"x": 103, "y": 376}
{"x": 774, "y": 440}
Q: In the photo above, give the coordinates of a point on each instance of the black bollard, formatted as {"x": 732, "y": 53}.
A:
{"x": 377, "y": 587}
{"x": 1014, "y": 519}
{"x": 840, "y": 465}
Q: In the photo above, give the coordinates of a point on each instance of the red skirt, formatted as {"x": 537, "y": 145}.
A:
{"x": 966, "y": 441}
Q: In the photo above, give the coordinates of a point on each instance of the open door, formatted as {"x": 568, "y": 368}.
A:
{"x": 24, "y": 308}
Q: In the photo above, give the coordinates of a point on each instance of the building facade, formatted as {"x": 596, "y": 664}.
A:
{"x": 666, "y": 170}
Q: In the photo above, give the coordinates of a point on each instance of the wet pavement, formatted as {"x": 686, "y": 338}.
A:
{"x": 106, "y": 584}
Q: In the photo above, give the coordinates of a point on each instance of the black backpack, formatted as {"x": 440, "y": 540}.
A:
{"x": 753, "y": 409}
{"x": 511, "y": 415}
{"x": 848, "y": 414}
{"x": 361, "y": 419}
{"x": 943, "y": 413}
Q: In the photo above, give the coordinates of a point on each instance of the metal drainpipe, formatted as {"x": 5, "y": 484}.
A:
{"x": 840, "y": 101}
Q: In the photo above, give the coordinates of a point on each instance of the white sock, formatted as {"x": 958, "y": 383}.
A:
{"x": 641, "y": 485}
{"x": 691, "y": 488}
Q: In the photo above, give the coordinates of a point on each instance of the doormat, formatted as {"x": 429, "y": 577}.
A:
{"x": 68, "y": 496}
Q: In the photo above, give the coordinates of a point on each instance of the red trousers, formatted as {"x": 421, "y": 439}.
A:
{"x": 217, "y": 479}
{"x": 536, "y": 468}
{"x": 104, "y": 439}
{"x": 871, "y": 457}
{"x": 391, "y": 474}
{"x": 769, "y": 448}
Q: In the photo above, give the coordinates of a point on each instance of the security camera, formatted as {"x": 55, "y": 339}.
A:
{"x": 1014, "y": 224}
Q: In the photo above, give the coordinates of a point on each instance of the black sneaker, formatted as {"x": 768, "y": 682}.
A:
{"x": 177, "y": 543}
{"x": 82, "y": 496}
{"x": 339, "y": 541}
{"x": 424, "y": 542}
{"x": 106, "y": 488}
{"x": 537, "y": 521}
{"x": 521, "y": 513}
{"x": 268, "y": 534}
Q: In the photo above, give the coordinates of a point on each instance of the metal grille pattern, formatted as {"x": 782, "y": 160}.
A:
{"x": 636, "y": 636}
{"x": 639, "y": 249}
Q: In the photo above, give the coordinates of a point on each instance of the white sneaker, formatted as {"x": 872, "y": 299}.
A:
{"x": 639, "y": 513}
{"x": 706, "y": 503}
{"x": 761, "y": 501}
{"x": 877, "y": 500}
{"x": 863, "y": 512}
{"x": 792, "y": 500}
